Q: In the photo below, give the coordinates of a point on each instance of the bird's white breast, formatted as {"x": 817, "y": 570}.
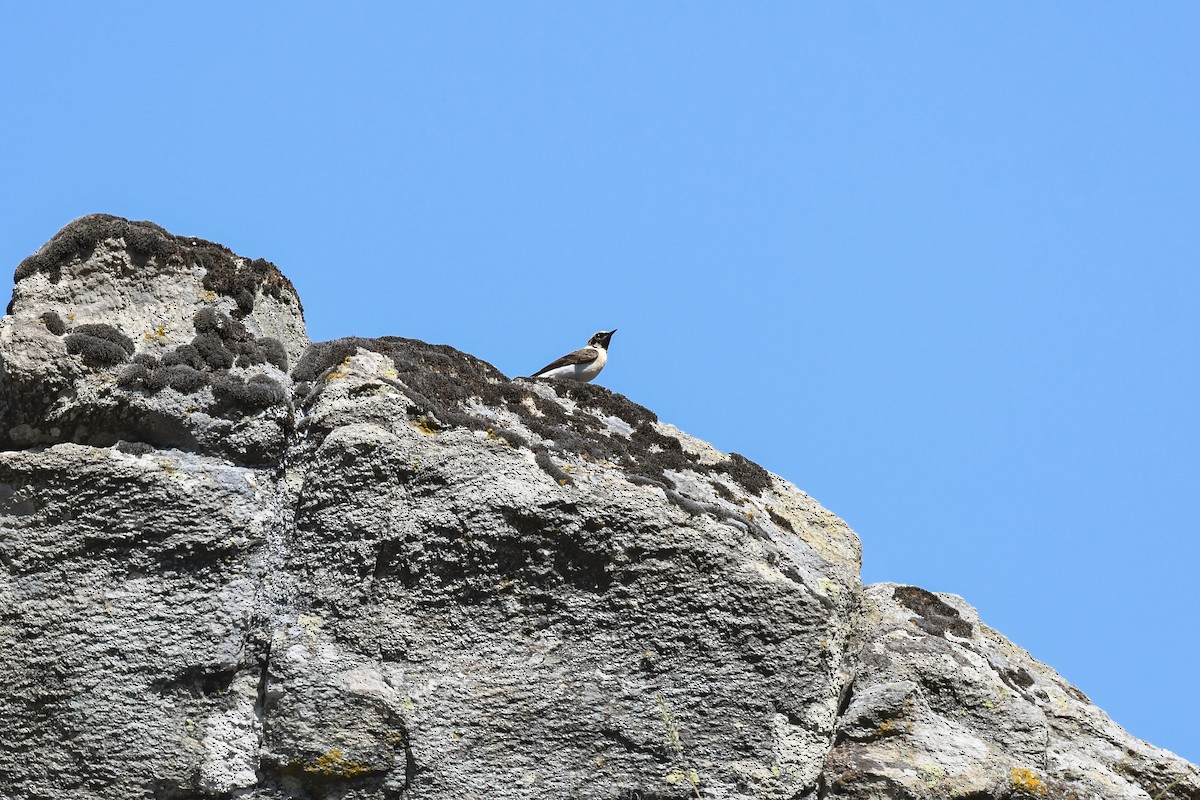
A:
{"x": 579, "y": 372}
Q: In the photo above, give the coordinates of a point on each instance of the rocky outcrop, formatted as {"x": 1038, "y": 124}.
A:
{"x": 940, "y": 705}
{"x": 118, "y": 331}
{"x": 240, "y": 565}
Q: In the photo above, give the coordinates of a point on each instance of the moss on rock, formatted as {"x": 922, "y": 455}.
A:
{"x": 224, "y": 272}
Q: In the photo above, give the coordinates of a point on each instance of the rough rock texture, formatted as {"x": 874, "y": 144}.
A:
{"x": 237, "y": 565}
{"x": 118, "y": 330}
{"x": 940, "y": 705}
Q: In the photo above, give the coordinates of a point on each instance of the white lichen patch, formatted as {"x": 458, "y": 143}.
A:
{"x": 616, "y": 425}
{"x": 230, "y": 741}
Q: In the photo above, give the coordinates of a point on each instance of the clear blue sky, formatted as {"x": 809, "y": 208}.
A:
{"x": 937, "y": 264}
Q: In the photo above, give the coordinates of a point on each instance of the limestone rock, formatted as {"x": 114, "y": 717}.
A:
{"x": 940, "y": 705}
{"x": 239, "y": 565}
{"x": 119, "y": 330}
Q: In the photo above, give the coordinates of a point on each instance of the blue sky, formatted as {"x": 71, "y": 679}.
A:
{"x": 937, "y": 264}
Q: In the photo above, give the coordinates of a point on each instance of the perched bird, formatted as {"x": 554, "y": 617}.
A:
{"x": 582, "y": 365}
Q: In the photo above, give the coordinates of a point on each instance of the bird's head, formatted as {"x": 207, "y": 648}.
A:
{"x": 601, "y": 339}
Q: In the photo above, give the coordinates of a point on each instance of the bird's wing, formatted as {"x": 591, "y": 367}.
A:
{"x": 581, "y": 356}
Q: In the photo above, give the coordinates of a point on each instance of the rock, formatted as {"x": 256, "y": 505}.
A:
{"x": 940, "y": 705}
{"x": 118, "y": 330}
{"x": 392, "y": 572}
{"x": 127, "y": 612}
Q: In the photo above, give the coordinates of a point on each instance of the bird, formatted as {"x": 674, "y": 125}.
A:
{"x": 581, "y": 365}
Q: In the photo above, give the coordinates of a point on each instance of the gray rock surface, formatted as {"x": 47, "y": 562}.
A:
{"x": 239, "y": 565}
{"x": 940, "y": 705}
{"x": 119, "y": 330}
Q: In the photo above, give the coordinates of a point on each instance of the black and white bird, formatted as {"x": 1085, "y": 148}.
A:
{"x": 581, "y": 365}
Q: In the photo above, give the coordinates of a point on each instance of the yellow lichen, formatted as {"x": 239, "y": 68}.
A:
{"x": 931, "y": 774}
{"x": 1027, "y": 782}
{"x": 158, "y": 333}
{"x": 685, "y": 771}
{"x": 691, "y": 777}
{"x": 334, "y": 764}
{"x": 491, "y": 434}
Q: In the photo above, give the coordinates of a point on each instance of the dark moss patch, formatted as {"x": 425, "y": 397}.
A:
{"x": 241, "y": 280}
{"x": 511, "y": 438}
{"x": 441, "y": 382}
{"x": 224, "y": 272}
{"x": 186, "y": 355}
{"x": 212, "y": 351}
{"x": 259, "y": 392}
{"x": 222, "y": 341}
{"x": 642, "y": 480}
{"x": 54, "y": 323}
{"x": 605, "y": 401}
{"x": 934, "y": 615}
{"x": 99, "y": 345}
{"x": 745, "y": 473}
{"x": 134, "y": 448}
{"x": 542, "y": 457}
{"x": 78, "y": 238}
{"x": 219, "y": 343}
{"x": 265, "y": 351}
{"x": 1018, "y": 678}
{"x": 182, "y": 378}
{"x": 107, "y": 333}
{"x": 723, "y": 492}
{"x": 1078, "y": 695}
{"x": 134, "y": 376}
{"x": 781, "y": 521}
